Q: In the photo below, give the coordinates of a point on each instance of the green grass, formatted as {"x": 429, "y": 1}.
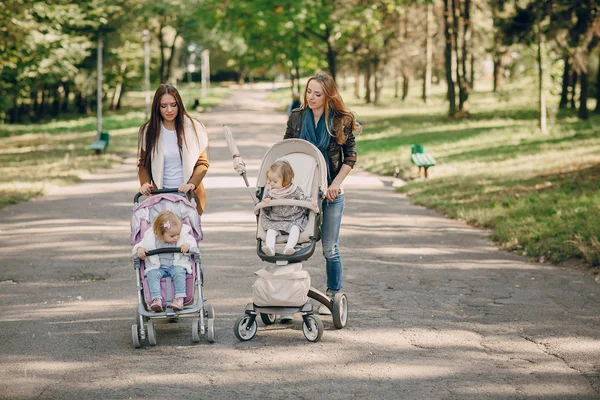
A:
{"x": 35, "y": 157}
{"x": 538, "y": 194}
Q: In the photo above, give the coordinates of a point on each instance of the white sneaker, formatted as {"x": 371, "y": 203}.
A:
{"x": 285, "y": 318}
{"x": 288, "y": 251}
{"x": 268, "y": 250}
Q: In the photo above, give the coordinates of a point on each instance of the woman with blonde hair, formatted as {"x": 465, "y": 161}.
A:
{"x": 172, "y": 148}
{"x": 325, "y": 121}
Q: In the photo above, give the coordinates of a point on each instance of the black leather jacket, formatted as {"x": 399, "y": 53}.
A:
{"x": 339, "y": 154}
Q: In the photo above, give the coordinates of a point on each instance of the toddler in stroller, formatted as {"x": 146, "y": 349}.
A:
{"x": 163, "y": 228}
{"x": 284, "y": 220}
{"x": 310, "y": 174}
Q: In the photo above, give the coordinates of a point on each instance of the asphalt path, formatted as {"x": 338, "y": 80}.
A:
{"x": 436, "y": 310}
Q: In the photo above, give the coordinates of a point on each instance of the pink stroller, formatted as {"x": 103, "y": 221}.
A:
{"x": 203, "y": 315}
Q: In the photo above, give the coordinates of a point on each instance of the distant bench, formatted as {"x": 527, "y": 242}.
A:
{"x": 101, "y": 144}
{"x": 420, "y": 158}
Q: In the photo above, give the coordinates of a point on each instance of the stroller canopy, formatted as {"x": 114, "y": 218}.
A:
{"x": 304, "y": 158}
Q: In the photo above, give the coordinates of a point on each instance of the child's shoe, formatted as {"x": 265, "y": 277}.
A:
{"x": 288, "y": 251}
{"x": 268, "y": 250}
{"x": 156, "y": 305}
{"x": 177, "y": 304}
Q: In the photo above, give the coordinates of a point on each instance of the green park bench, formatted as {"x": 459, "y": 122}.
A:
{"x": 420, "y": 158}
{"x": 101, "y": 143}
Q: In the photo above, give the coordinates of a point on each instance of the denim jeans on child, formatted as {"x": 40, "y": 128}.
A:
{"x": 332, "y": 221}
{"x": 175, "y": 272}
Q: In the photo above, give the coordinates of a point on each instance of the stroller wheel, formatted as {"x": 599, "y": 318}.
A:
{"x": 151, "y": 333}
{"x": 195, "y": 329}
{"x": 339, "y": 310}
{"x": 135, "y": 336}
{"x": 314, "y": 330}
{"x": 210, "y": 323}
{"x": 268, "y": 319}
{"x": 210, "y": 331}
{"x": 240, "y": 330}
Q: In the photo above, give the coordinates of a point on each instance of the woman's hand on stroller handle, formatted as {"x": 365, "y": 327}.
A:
{"x": 145, "y": 189}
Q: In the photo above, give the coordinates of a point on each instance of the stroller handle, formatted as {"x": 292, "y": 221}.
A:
{"x": 169, "y": 250}
{"x": 161, "y": 191}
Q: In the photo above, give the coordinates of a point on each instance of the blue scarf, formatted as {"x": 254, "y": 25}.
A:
{"x": 317, "y": 136}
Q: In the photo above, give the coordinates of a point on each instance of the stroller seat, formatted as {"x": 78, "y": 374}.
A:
{"x": 142, "y": 220}
{"x": 310, "y": 174}
{"x": 201, "y": 312}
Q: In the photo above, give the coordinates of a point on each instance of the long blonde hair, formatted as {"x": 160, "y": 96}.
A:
{"x": 334, "y": 105}
{"x": 284, "y": 170}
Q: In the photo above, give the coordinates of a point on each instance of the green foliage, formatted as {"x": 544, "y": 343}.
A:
{"x": 538, "y": 194}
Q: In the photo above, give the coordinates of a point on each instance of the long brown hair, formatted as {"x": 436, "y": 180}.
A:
{"x": 342, "y": 115}
{"x": 150, "y": 131}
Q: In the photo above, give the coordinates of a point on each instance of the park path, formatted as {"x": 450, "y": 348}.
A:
{"x": 436, "y": 310}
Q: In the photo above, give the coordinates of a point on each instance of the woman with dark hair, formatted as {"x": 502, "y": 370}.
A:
{"x": 172, "y": 148}
{"x": 325, "y": 121}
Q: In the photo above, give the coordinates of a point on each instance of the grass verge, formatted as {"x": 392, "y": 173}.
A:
{"x": 538, "y": 194}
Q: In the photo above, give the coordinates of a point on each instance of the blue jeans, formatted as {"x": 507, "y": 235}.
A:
{"x": 175, "y": 272}
{"x": 332, "y": 221}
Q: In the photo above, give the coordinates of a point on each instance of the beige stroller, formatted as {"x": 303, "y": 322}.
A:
{"x": 310, "y": 174}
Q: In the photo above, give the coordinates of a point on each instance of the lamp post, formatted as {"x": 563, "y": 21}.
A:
{"x": 99, "y": 88}
{"x": 191, "y": 66}
{"x": 205, "y": 71}
{"x": 146, "y": 40}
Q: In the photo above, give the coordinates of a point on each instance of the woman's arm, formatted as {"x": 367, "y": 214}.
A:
{"x": 349, "y": 149}
{"x": 200, "y": 169}
{"x": 143, "y": 169}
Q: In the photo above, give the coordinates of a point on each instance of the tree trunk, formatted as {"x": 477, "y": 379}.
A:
{"x": 397, "y": 83}
{"x": 67, "y": 92}
{"x": 116, "y": 101}
{"x": 573, "y": 90}
{"x": 331, "y": 53}
{"x": 583, "y": 95}
{"x": 428, "y": 54}
{"x": 80, "y": 103}
{"x": 35, "y": 102}
{"x": 377, "y": 82}
{"x": 55, "y": 101}
{"x": 496, "y": 55}
{"x": 368, "y": 83}
{"x": 405, "y": 85}
{"x": 357, "y": 81}
{"x": 451, "y": 95}
{"x": 597, "y": 109}
{"x": 472, "y": 70}
{"x": 466, "y": 46}
{"x": 161, "y": 45}
{"x": 171, "y": 59}
{"x": 541, "y": 88}
{"x": 455, "y": 31}
{"x": 13, "y": 114}
{"x": 497, "y": 72}
{"x": 564, "y": 95}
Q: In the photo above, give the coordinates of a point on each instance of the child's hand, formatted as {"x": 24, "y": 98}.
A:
{"x": 185, "y": 248}
{"x": 141, "y": 253}
{"x": 267, "y": 200}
